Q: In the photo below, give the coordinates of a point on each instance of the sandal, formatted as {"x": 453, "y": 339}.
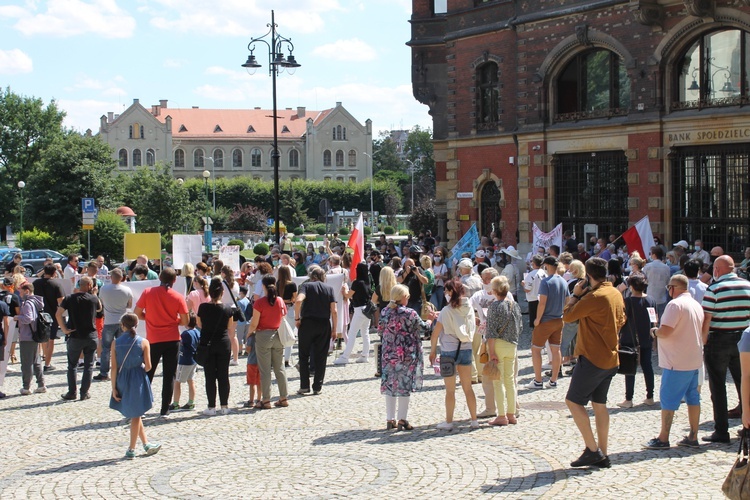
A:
{"x": 248, "y": 404}
{"x": 281, "y": 403}
{"x": 404, "y": 425}
{"x": 500, "y": 421}
{"x": 390, "y": 424}
{"x": 511, "y": 418}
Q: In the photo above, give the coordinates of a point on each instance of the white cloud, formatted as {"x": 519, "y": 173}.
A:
{"x": 352, "y": 50}
{"x": 84, "y": 114}
{"x": 15, "y": 62}
{"x": 174, "y": 63}
{"x": 106, "y": 88}
{"x": 73, "y": 17}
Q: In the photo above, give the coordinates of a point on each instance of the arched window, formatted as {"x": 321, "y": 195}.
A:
{"x": 327, "y": 178}
{"x": 179, "y": 158}
{"x": 327, "y": 158}
{"x": 123, "y": 158}
{"x": 594, "y": 84}
{"x": 136, "y": 157}
{"x": 340, "y": 178}
{"x": 218, "y": 156}
{"x": 490, "y": 208}
{"x": 488, "y": 98}
{"x": 333, "y": 134}
{"x": 293, "y": 158}
{"x": 352, "y": 158}
{"x": 713, "y": 71}
{"x": 339, "y": 158}
{"x": 339, "y": 135}
{"x": 198, "y": 158}
{"x": 256, "y": 157}
{"x": 352, "y": 178}
{"x": 135, "y": 131}
{"x": 150, "y": 157}
{"x": 237, "y": 158}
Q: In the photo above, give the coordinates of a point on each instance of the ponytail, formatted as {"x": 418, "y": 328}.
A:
{"x": 130, "y": 322}
{"x": 269, "y": 282}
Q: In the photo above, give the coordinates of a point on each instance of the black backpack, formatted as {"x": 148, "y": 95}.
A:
{"x": 42, "y": 327}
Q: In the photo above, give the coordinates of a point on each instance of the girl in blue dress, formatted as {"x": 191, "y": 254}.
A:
{"x": 131, "y": 389}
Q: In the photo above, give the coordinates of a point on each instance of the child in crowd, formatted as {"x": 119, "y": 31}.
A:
{"x": 131, "y": 389}
{"x": 242, "y": 303}
{"x": 253, "y": 374}
{"x": 186, "y": 366}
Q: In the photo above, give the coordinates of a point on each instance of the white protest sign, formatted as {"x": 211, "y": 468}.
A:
{"x": 230, "y": 256}
{"x": 186, "y": 248}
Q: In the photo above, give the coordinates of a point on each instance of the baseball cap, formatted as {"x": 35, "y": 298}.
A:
{"x": 7, "y": 281}
{"x": 465, "y": 264}
{"x": 415, "y": 249}
{"x": 682, "y": 243}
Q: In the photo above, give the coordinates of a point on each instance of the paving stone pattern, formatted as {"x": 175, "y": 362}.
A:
{"x": 335, "y": 444}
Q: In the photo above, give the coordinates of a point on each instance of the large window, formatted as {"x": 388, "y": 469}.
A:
{"x": 592, "y": 188}
{"x": 150, "y": 157}
{"x": 293, "y": 158}
{"x": 137, "y": 158}
{"x": 714, "y": 71}
{"x": 198, "y": 158}
{"x": 237, "y": 158}
{"x": 488, "y": 97}
{"x": 179, "y": 158}
{"x": 711, "y": 196}
{"x": 594, "y": 84}
{"x": 218, "y": 156}
{"x": 327, "y": 158}
{"x": 123, "y": 158}
{"x": 339, "y": 158}
{"x": 256, "y": 157}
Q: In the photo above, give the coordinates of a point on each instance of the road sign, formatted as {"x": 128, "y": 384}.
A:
{"x": 88, "y": 226}
{"x": 88, "y": 206}
{"x": 209, "y": 221}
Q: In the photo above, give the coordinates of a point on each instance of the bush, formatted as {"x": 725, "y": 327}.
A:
{"x": 247, "y": 218}
{"x": 298, "y": 231}
{"x": 238, "y": 243}
{"x": 36, "y": 238}
{"x": 405, "y": 232}
{"x": 343, "y": 231}
{"x": 424, "y": 217}
{"x": 389, "y": 230}
{"x": 311, "y": 238}
{"x": 166, "y": 243}
{"x": 319, "y": 229}
{"x": 73, "y": 248}
{"x": 261, "y": 249}
{"x": 368, "y": 231}
{"x": 108, "y": 235}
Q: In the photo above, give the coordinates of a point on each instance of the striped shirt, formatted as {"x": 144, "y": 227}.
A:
{"x": 727, "y": 300}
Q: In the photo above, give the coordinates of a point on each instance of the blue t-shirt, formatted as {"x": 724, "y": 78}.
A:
{"x": 188, "y": 344}
{"x": 744, "y": 344}
{"x": 252, "y": 357}
{"x": 242, "y": 304}
{"x": 556, "y": 290}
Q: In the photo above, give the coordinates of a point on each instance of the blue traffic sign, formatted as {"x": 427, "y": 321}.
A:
{"x": 88, "y": 206}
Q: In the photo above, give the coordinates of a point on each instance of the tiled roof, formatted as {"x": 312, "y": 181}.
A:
{"x": 233, "y": 123}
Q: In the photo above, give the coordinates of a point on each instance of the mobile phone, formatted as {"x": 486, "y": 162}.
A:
{"x": 585, "y": 284}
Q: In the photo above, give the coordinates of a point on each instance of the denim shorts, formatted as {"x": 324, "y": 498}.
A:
{"x": 676, "y": 385}
{"x": 464, "y": 356}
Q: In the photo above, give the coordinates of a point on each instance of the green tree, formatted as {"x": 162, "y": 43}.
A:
{"x": 72, "y": 166}
{"x": 162, "y": 204}
{"x": 108, "y": 236}
{"x": 385, "y": 154}
{"x": 290, "y": 207}
{"x": 27, "y": 127}
{"x": 248, "y": 218}
{"x": 418, "y": 149}
{"x": 424, "y": 217}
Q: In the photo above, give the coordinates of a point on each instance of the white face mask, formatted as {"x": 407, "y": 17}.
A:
{"x": 437, "y": 258}
{"x": 697, "y": 248}
{"x": 487, "y": 287}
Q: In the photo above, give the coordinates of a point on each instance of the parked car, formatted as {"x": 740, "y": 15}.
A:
{"x": 5, "y": 250}
{"x": 33, "y": 260}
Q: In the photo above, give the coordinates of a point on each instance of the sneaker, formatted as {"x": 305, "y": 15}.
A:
{"x": 233, "y": 363}
{"x": 130, "y": 454}
{"x": 340, "y": 361}
{"x": 48, "y": 368}
{"x": 209, "y": 412}
{"x": 316, "y": 393}
{"x": 655, "y": 444}
{"x": 445, "y": 426}
{"x": 152, "y": 448}
{"x": 487, "y": 414}
{"x": 474, "y": 424}
{"x": 559, "y": 374}
{"x": 224, "y": 411}
{"x": 603, "y": 464}
{"x": 165, "y": 416}
{"x": 188, "y": 406}
{"x": 69, "y": 396}
{"x": 40, "y": 390}
{"x": 588, "y": 457}
{"x": 101, "y": 377}
{"x": 551, "y": 385}
{"x": 716, "y": 438}
{"x": 2, "y": 395}
{"x": 25, "y": 392}
{"x": 174, "y": 406}
{"x": 628, "y": 403}
{"x": 303, "y": 392}
{"x": 688, "y": 443}
{"x": 546, "y": 366}
{"x": 534, "y": 385}
{"x": 363, "y": 359}
{"x": 86, "y": 396}
{"x": 649, "y": 402}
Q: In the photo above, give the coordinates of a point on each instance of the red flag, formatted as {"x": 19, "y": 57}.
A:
{"x": 639, "y": 238}
{"x": 357, "y": 243}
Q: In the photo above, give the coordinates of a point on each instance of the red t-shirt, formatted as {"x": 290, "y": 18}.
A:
{"x": 162, "y": 307}
{"x": 270, "y": 315}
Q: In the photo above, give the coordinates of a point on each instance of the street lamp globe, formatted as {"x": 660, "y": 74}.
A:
{"x": 206, "y": 174}
{"x": 21, "y": 184}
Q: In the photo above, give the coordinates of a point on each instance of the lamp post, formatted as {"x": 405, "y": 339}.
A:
{"x": 207, "y": 226}
{"x": 213, "y": 174}
{"x": 276, "y": 63}
{"x": 21, "y": 185}
{"x": 413, "y": 167}
{"x": 372, "y": 209}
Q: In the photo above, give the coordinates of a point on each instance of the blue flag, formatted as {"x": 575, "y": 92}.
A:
{"x": 468, "y": 243}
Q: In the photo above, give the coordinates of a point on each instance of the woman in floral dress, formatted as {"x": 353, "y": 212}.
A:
{"x": 401, "y": 331}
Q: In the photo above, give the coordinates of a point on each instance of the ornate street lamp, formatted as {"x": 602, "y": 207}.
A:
{"x": 207, "y": 227}
{"x": 276, "y": 64}
{"x": 21, "y": 185}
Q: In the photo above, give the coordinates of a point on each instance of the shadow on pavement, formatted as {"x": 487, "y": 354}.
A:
{"x": 537, "y": 480}
{"x": 382, "y": 436}
{"x": 76, "y": 466}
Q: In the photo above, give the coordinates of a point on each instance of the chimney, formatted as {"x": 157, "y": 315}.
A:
{"x": 135, "y": 101}
{"x": 300, "y": 111}
{"x": 195, "y": 107}
{"x": 155, "y": 110}
{"x": 110, "y": 116}
{"x": 338, "y": 104}
{"x": 162, "y": 103}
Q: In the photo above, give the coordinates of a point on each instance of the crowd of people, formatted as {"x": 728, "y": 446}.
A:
{"x": 586, "y": 302}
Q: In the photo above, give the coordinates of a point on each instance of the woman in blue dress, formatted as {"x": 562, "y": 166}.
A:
{"x": 401, "y": 331}
{"x": 131, "y": 390}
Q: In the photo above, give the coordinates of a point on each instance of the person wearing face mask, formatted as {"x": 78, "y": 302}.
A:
{"x": 700, "y": 252}
{"x": 440, "y": 270}
{"x": 708, "y": 275}
{"x": 480, "y": 301}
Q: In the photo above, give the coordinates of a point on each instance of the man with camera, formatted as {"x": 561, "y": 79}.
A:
{"x": 413, "y": 278}
{"x": 600, "y": 311}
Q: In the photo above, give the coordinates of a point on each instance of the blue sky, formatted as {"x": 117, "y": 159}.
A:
{"x": 95, "y": 56}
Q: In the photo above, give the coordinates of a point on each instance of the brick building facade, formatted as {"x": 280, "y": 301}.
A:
{"x": 591, "y": 114}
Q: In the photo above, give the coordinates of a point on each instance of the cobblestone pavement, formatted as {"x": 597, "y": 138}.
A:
{"x": 335, "y": 444}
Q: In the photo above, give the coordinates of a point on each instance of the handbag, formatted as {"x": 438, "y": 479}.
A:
{"x": 427, "y": 307}
{"x": 201, "y": 353}
{"x": 484, "y": 356}
{"x": 369, "y": 309}
{"x": 490, "y": 371}
{"x": 239, "y": 314}
{"x": 737, "y": 484}
{"x": 448, "y": 364}
{"x": 628, "y": 355}
{"x": 287, "y": 335}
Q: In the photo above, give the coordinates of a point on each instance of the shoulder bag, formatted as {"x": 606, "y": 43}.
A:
{"x": 369, "y": 309}
{"x": 239, "y": 314}
{"x": 287, "y": 334}
{"x": 737, "y": 484}
{"x": 448, "y": 364}
{"x": 628, "y": 355}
